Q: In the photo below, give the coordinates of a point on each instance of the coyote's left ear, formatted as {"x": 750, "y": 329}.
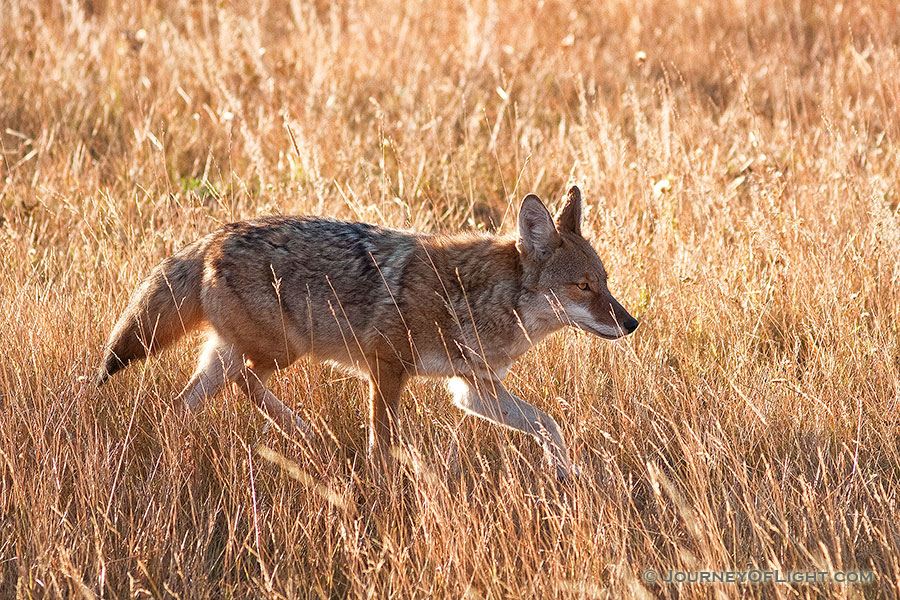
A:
{"x": 537, "y": 235}
{"x": 568, "y": 219}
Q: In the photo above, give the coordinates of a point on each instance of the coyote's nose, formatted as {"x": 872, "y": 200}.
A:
{"x": 630, "y": 325}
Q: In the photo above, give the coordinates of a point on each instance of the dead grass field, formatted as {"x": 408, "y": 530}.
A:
{"x": 739, "y": 160}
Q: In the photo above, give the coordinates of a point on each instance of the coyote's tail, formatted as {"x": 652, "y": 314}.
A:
{"x": 163, "y": 308}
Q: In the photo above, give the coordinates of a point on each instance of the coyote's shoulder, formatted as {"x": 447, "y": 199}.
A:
{"x": 386, "y": 303}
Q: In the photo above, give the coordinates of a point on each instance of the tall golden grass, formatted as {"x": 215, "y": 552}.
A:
{"x": 739, "y": 160}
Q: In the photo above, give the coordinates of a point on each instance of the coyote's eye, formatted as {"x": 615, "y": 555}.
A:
{"x": 583, "y": 286}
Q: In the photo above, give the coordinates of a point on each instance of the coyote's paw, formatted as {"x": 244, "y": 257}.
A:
{"x": 565, "y": 471}
{"x": 302, "y": 431}
{"x": 567, "y": 474}
{"x": 297, "y": 429}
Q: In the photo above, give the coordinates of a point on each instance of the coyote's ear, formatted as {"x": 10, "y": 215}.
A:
{"x": 537, "y": 235}
{"x": 568, "y": 219}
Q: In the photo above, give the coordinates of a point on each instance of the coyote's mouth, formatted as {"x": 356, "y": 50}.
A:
{"x": 607, "y": 333}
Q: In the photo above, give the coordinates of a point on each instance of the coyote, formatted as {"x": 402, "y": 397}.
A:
{"x": 384, "y": 303}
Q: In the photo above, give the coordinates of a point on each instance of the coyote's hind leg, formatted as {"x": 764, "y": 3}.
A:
{"x": 252, "y": 380}
{"x": 218, "y": 363}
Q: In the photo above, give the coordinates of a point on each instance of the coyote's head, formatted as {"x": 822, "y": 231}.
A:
{"x": 564, "y": 268}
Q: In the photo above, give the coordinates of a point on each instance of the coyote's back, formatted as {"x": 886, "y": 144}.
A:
{"x": 278, "y": 287}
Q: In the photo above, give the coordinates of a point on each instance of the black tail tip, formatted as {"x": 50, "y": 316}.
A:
{"x": 101, "y": 377}
{"x": 111, "y": 365}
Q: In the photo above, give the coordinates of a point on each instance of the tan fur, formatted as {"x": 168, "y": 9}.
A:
{"x": 387, "y": 304}
{"x": 163, "y": 308}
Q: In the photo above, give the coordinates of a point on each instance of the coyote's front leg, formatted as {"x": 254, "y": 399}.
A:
{"x": 489, "y": 399}
{"x": 386, "y": 382}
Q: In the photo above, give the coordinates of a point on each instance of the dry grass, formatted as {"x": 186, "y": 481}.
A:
{"x": 739, "y": 160}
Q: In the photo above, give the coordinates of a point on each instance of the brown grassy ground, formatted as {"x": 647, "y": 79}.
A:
{"x": 740, "y": 163}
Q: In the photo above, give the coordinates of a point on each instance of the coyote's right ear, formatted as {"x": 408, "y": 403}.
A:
{"x": 568, "y": 219}
{"x": 537, "y": 235}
